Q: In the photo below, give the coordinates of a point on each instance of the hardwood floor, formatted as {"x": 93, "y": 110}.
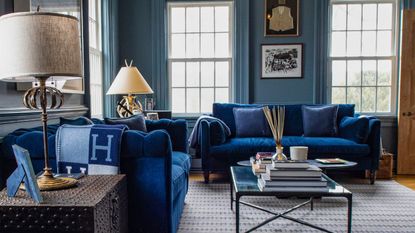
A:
{"x": 406, "y": 180}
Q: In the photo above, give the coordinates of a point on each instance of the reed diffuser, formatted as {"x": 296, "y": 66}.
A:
{"x": 276, "y": 119}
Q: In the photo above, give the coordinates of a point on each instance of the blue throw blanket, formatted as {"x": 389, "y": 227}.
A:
{"x": 89, "y": 149}
{"x": 194, "y": 135}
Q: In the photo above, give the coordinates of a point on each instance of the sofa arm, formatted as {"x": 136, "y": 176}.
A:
{"x": 373, "y": 141}
{"x": 177, "y": 129}
{"x": 147, "y": 161}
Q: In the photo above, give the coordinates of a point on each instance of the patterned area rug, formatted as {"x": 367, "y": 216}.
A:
{"x": 384, "y": 207}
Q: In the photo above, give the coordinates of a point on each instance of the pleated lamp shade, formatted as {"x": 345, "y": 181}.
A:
{"x": 39, "y": 44}
{"x": 129, "y": 81}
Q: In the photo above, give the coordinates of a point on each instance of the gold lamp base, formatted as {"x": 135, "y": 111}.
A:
{"x": 129, "y": 106}
{"x": 47, "y": 182}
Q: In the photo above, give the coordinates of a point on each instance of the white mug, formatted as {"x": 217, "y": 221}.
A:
{"x": 298, "y": 152}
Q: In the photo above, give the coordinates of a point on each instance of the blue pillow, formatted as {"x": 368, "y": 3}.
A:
{"x": 354, "y": 128}
{"x": 136, "y": 122}
{"x": 251, "y": 122}
{"x": 320, "y": 121}
{"x": 75, "y": 121}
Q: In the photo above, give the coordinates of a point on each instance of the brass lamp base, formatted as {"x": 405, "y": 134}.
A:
{"x": 129, "y": 106}
{"x": 47, "y": 182}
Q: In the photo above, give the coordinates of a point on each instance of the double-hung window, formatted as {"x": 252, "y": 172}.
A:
{"x": 200, "y": 55}
{"x": 95, "y": 58}
{"x": 363, "y": 54}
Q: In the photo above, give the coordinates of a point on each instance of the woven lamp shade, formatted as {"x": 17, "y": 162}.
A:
{"x": 129, "y": 81}
{"x": 39, "y": 44}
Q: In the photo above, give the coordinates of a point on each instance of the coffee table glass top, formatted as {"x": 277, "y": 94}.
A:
{"x": 245, "y": 181}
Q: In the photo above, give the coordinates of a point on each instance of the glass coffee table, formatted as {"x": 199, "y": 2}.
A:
{"x": 245, "y": 183}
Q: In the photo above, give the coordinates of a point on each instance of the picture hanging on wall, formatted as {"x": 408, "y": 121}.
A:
{"x": 282, "y": 17}
{"x": 282, "y": 61}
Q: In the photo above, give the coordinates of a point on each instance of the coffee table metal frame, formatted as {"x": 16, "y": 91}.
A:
{"x": 250, "y": 188}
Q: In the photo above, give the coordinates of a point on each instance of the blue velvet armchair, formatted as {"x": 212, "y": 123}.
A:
{"x": 156, "y": 163}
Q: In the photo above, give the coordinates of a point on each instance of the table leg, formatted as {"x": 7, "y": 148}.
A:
{"x": 231, "y": 196}
{"x": 237, "y": 212}
{"x": 312, "y": 203}
{"x": 349, "y": 214}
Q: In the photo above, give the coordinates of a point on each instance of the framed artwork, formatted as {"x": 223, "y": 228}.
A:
{"x": 149, "y": 104}
{"x": 282, "y": 17}
{"x": 282, "y": 61}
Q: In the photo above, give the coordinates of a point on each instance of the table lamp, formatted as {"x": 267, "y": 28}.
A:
{"x": 129, "y": 81}
{"x": 35, "y": 46}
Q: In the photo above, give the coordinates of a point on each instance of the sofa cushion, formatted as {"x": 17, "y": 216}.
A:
{"x": 75, "y": 121}
{"x": 251, "y": 122}
{"x": 243, "y": 148}
{"x": 320, "y": 121}
{"x": 354, "y": 128}
{"x": 136, "y": 122}
{"x": 225, "y": 113}
{"x": 181, "y": 159}
{"x": 179, "y": 180}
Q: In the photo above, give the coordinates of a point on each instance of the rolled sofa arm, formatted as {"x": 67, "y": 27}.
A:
{"x": 177, "y": 130}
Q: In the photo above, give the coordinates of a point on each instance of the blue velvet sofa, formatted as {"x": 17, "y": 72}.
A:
{"x": 218, "y": 155}
{"x": 156, "y": 163}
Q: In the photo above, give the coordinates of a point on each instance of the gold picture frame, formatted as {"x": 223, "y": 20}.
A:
{"x": 282, "y": 18}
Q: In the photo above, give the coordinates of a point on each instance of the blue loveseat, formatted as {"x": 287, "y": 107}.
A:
{"x": 156, "y": 163}
{"x": 218, "y": 155}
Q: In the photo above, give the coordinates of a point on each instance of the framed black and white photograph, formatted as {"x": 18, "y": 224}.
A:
{"x": 282, "y": 17}
{"x": 282, "y": 61}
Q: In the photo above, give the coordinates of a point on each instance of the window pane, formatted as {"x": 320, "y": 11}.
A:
{"x": 384, "y": 43}
{"x": 222, "y": 19}
{"x": 354, "y": 17}
{"x": 178, "y": 19}
{"x": 353, "y": 43}
{"x": 222, "y": 95}
{"x": 178, "y": 74}
{"x": 192, "y": 74}
{"x": 384, "y": 99}
{"x": 222, "y": 74}
{"x": 338, "y": 44}
{"x": 368, "y": 99}
{"x": 92, "y": 34}
{"x": 338, "y": 95}
{"x": 369, "y": 43}
{"x": 339, "y": 73}
{"x": 192, "y": 100}
{"x": 192, "y": 45}
{"x": 178, "y": 100}
{"x": 369, "y": 73}
{"x": 384, "y": 72}
{"x": 207, "y": 19}
{"x": 222, "y": 45}
{"x": 207, "y": 74}
{"x": 207, "y": 47}
{"x": 369, "y": 16}
{"x": 207, "y": 100}
{"x": 192, "y": 19}
{"x": 178, "y": 45}
{"x": 385, "y": 16}
{"x": 339, "y": 17}
{"x": 354, "y": 69}
{"x": 353, "y": 97}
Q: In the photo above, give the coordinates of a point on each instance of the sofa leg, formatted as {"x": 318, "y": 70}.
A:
{"x": 372, "y": 176}
{"x": 206, "y": 176}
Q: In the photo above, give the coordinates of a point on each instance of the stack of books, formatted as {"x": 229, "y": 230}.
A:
{"x": 260, "y": 162}
{"x": 295, "y": 176}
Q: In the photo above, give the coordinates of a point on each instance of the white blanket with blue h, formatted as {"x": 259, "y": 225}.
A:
{"x": 89, "y": 149}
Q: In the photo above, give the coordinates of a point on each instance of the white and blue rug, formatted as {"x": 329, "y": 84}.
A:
{"x": 384, "y": 207}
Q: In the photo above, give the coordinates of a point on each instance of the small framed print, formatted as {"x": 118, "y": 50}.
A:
{"x": 282, "y": 17}
{"x": 282, "y": 61}
{"x": 149, "y": 104}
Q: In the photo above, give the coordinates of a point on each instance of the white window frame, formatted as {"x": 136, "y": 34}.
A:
{"x": 214, "y": 59}
{"x": 97, "y": 52}
{"x": 393, "y": 57}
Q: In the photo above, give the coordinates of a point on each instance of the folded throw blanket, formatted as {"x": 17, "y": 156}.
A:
{"x": 89, "y": 149}
{"x": 194, "y": 135}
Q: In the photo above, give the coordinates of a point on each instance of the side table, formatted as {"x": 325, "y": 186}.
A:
{"x": 98, "y": 204}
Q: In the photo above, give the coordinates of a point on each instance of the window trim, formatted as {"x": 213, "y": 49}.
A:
{"x": 230, "y": 58}
{"x": 393, "y": 57}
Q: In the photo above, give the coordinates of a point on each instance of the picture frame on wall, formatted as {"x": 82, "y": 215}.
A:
{"x": 282, "y": 61}
{"x": 282, "y": 18}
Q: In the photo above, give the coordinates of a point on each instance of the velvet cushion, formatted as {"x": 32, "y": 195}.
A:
{"x": 75, "y": 121}
{"x": 320, "y": 121}
{"x": 354, "y": 128}
{"x": 136, "y": 122}
{"x": 181, "y": 159}
{"x": 251, "y": 122}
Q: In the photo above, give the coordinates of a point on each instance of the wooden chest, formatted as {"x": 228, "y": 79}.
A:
{"x": 385, "y": 170}
{"x": 98, "y": 204}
